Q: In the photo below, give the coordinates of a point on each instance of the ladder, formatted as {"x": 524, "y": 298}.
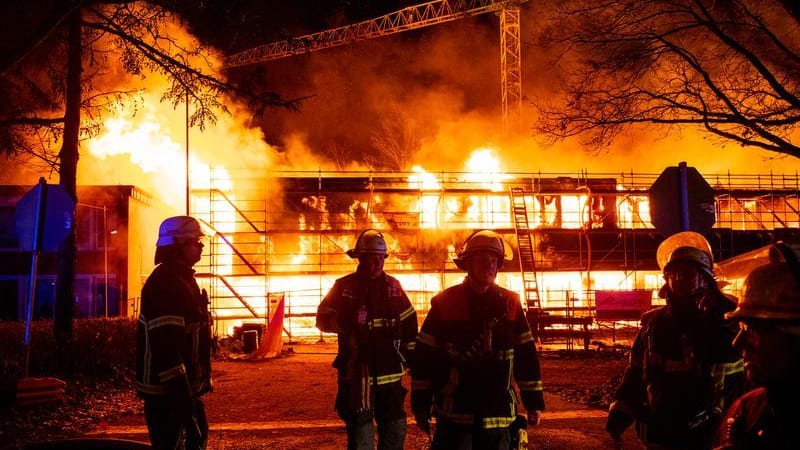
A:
{"x": 527, "y": 263}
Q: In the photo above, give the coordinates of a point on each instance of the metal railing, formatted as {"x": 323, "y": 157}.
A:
{"x": 272, "y": 228}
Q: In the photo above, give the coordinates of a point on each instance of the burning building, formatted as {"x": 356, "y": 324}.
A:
{"x": 285, "y": 235}
{"x": 574, "y": 240}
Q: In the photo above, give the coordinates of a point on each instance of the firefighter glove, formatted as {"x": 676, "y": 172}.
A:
{"x": 617, "y": 423}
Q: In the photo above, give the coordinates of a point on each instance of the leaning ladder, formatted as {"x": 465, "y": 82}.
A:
{"x": 527, "y": 263}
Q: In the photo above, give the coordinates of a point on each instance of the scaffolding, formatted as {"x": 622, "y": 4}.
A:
{"x": 287, "y": 233}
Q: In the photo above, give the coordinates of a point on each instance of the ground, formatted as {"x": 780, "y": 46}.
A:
{"x": 287, "y": 403}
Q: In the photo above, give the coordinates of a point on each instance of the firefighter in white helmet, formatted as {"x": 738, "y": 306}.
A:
{"x": 474, "y": 341}
{"x": 683, "y": 371}
{"x": 376, "y": 327}
{"x": 173, "y": 347}
{"x": 769, "y": 338}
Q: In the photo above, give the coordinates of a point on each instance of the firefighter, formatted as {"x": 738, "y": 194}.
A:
{"x": 376, "y": 327}
{"x": 683, "y": 371}
{"x": 473, "y": 342}
{"x": 173, "y": 342}
{"x": 769, "y": 339}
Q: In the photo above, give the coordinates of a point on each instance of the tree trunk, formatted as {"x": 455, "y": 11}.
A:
{"x": 67, "y": 255}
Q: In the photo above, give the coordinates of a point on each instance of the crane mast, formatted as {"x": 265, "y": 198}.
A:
{"x": 410, "y": 18}
{"x": 510, "y": 69}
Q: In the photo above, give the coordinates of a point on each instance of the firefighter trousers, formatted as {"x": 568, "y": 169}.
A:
{"x": 388, "y": 414}
{"x": 167, "y": 432}
{"x": 450, "y": 436}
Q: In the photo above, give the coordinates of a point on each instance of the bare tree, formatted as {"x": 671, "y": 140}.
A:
{"x": 730, "y": 67}
{"x": 51, "y": 97}
{"x": 394, "y": 143}
{"x": 340, "y": 152}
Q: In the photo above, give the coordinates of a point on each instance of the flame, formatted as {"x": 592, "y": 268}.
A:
{"x": 482, "y": 211}
{"x": 146, "y": 141}
{"x": 438, "y": 210}
{"x": 151, "y": 136}
{"x": 422, "y": 180}
{"x": 428, "y": 204}
{"x": 150, "y": 147}
{"x": 303, "y": 293}
{"x": 141, "y": 140}
{"x": 483, "y": 167}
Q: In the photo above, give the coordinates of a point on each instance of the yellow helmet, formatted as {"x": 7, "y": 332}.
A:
{"x": 686, "y": 246}
{"x": 483, "y": 240}
{"x": 369, "y": 242}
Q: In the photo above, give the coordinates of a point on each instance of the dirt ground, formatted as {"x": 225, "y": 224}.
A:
{"x": 287, "y": 403}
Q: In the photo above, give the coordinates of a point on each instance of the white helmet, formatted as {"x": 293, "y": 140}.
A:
{"x": 369, "y": 242}
{"x": 174, "y": 230}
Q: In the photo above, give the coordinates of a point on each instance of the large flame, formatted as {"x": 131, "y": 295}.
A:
{"x": 141, "y": 138}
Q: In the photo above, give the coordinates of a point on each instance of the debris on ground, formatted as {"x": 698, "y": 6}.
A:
{"x": 87, "y": 404}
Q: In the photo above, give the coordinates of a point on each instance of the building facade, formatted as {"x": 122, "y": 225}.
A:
{"x": 115, "y": 236}
{"x": 287, "y": 234}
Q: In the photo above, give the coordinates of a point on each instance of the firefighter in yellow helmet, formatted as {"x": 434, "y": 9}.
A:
{"x": 769, "y": 339}
{"x": 474, "y": 341}
{"x": 173, "y": 342}
{"x": 376, "y": 327}
{"x": 683, "y": 371}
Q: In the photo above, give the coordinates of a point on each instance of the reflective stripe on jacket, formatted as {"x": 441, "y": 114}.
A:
{"x": 375, "y": 323}
{"x": 469, "y": 348}
{"x": 173, "y": 335}
{"x": 682, "y": 374}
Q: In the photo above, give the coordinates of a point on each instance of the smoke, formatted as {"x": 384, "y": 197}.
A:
{"x": 428, "y": 81}
{"x": 147, "y": 142}
{"x": 443, "y": 83}
{"x": 432, "y": 93}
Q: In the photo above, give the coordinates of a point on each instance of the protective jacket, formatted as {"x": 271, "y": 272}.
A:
{"x": 683, "y": 373}
{"x": 757, "y": 422}
{"x": 469, "y": 347}
{"x": 376, "y": 327}
{"x": 173, "y": 351}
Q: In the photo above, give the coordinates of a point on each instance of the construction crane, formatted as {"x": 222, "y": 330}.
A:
{"x": 410, "y": 18}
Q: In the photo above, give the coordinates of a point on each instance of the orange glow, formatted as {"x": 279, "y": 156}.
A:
{"x": 483, "y": 167}
{"x": 150, "y": 148}
{"x": 482, "y": 211}
{"x": 435, "y": 208}
{"x": 428, "y": 204}
{"x": 150, "y": 135}
{"x": 146, "y": 140}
